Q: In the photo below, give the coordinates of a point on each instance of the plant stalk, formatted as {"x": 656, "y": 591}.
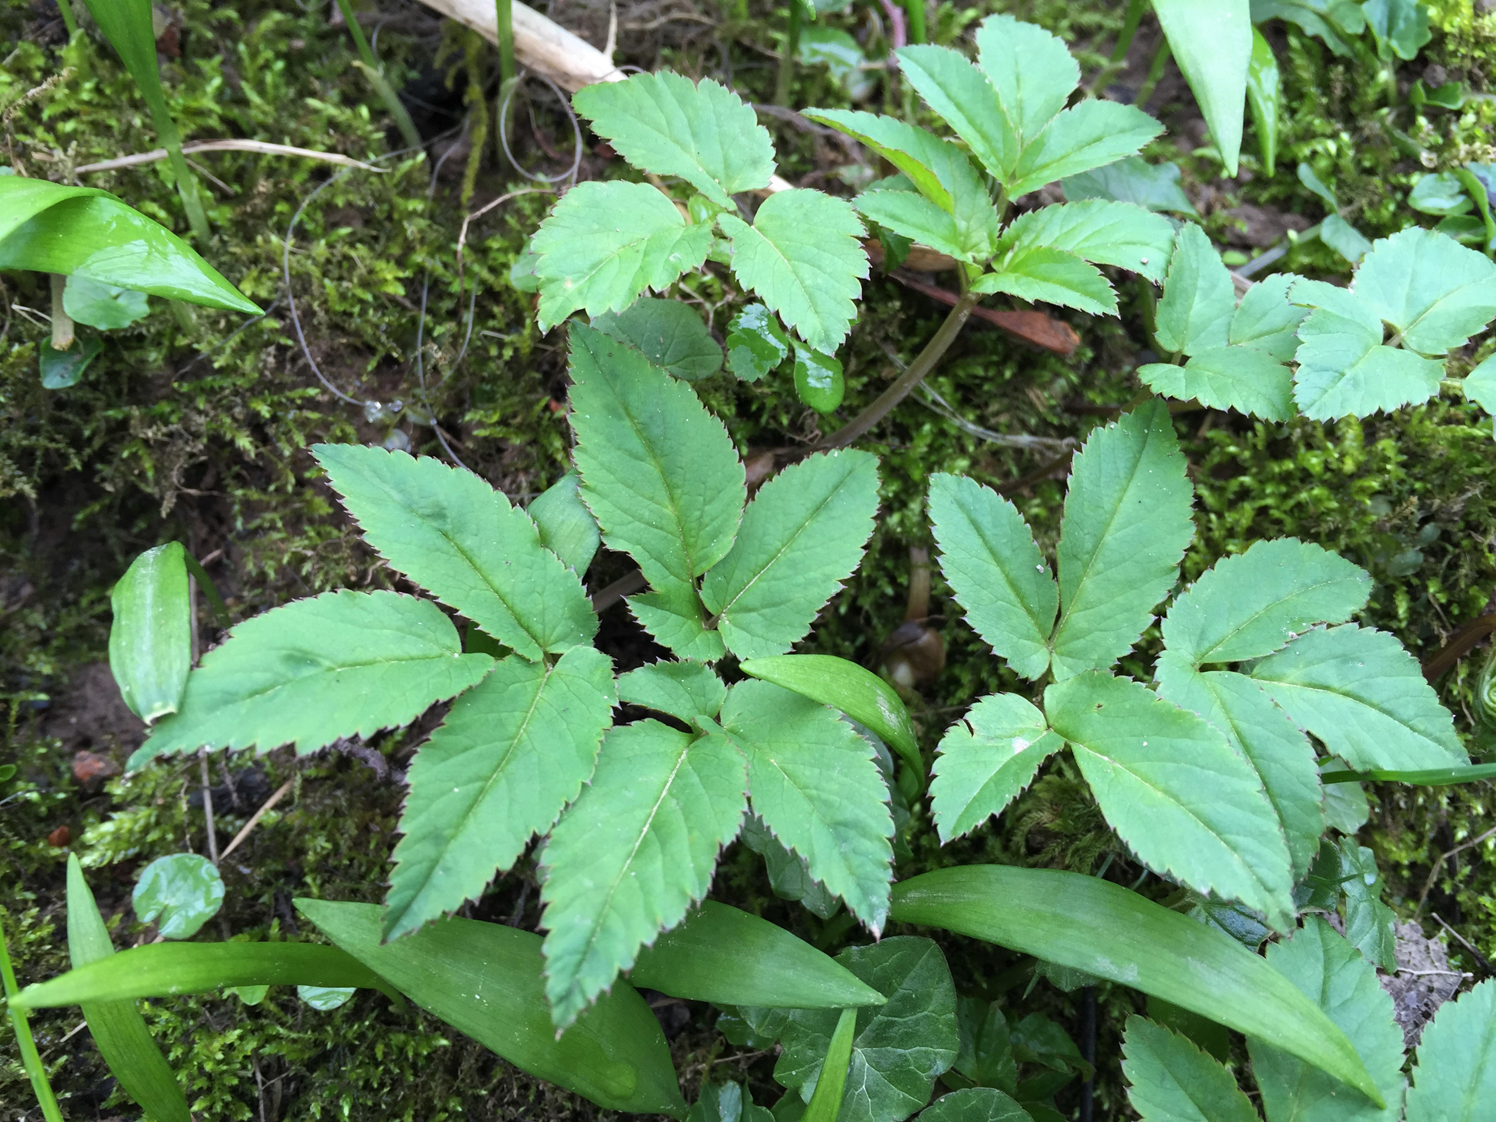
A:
{"x": 787, "y": 59}
{"x": 504, "y": 9}
{"x": 192, "y": 202}
{"x": 30, "y": 1059}
{"x": 1118, "y": 61}
{"x": 370, "y": 66}
{"x": 69, "y": 17}
{"x": 915, "y": 10}
{"x": 922, "y": 365}
{"x": 62, "y": 324}
{"x": 1155, "y": 72}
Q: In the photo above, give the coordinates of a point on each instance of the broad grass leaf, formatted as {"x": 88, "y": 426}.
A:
{"x": 1455, "y": 1076}
{"x": 1212, "y": 45}
{"x": 1105, "y": 233}
{"x": 1435, "y": 292}
{"x": 1126, "y": 526}
{"x": 1031, "y": 70}
{"x": 566, "y": 526}
{"x": 150, "y": 638}
{"x": 668, "y": 333}
{"x": 458, "y": 538}
{"x": 1361, "y": 693}
{"x": 1175, "y": 790}
{"x": 986, "y": 760}
{"x": 1251, "y": 604}
{"x": 634, "y": 853}
{"x": 669, "y": 125}
{"x": 1331, "y": 972}
{"x": 964, "y": 97}
{"x": 340, "y": 664}
{"x": 899, "y": 1048}
{"x": 605, "y": 243}
{"x": 1199, "y": 301}
{"x": 1171, "y": 1080}
{"x": 1271, "y": 743}
{"x": 975, "y": 1104}
{"x": 512, "y": 752}
{"x": 1090, "y": 135}
{"x": 1133, "y": 180}
{"x": 1052, "y": 276}
{"x": 815, "y": 784}
{"x": 802, "y": 535}
{"x": 826, "y": 1100}
{"x": 988, "y": 554}
{"x": 1240, "y": 378}
{"x": 802, "y": 257}
{"x": 682, "y": 689}
{"x": 1267, "y": 320}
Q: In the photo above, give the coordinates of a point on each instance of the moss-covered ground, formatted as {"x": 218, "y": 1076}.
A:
{"x": 195, "y": 428}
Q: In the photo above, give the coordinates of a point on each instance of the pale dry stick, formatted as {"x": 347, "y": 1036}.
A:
{"x": 480, "y": 212}
{"x": 1480, "y": 959}
{"x": 1433, "y": 873}
{"x": 254, "y": 819}
{"x": 208, "y": 809}
{"x": 263, "y": 147}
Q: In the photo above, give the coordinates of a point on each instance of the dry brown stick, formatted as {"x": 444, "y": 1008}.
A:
{"x": 1034, "y": 328}
{"x": 625, "y": 585}
{"x": 254, "y": 820}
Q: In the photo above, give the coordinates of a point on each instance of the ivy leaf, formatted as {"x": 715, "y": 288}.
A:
{"x": 1344, "y": 370}
{"x": 1267, "y": 320}
{"x": 668, "y": 333}
{"x": 975, "y": 1104}
{"x": 1362, "y": 694}
{"x": 1251, "y": 604}
{"x": 1175, "y": 791}
{"x": 1126, "y": 527}
{"x": 802, "y": 535}
{"x": 789, "y": 875}
{"x": 1434, "y": 291}
{"x": 802, "y": 257}
{"x": 1400, "y": 26}
{"x": 986, "y": 760}
{"x": 683, "y": 689}
{"x": 566, "y": 526}
{"x": 1368, "y": 921}
{"x": 458, "y": 538}
{"x": 1455, "y": 1077}
{"x": 1105, "y": 233}
{"x": 988, "y": 554}
{"x": 1331, "y": 972}
{"x": 511, "y": 754}
{"x": 1198, "y": 301}
{"x": 633, "y": 853}
{"x": 1053, "y": 276}
{"x": 1212, "y": 45}
{"x": 899, "y": 1047}
{"x": 756, "y": 344}
{"x": 1090, "y": 135}
{"x": 666, "y": 124}
{"x": 1278, "y": 752}
{"x": 961, "y": 94}
{"x": 1170, "y": 1080}
{"x": 816, "y": 786}
{"x": 1240, "y": 378}
{"x": 659, "y": 472}
{"x": 727, "y": 1102}
{"x": 605, "y": 243}
{"x": 340, "y": 664}
{"x": 1133, "y": 180}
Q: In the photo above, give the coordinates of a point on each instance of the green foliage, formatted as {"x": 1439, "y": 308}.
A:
{"x": 669, "y": 334}
{"x": 179, "y": 894}
{"x": 1212, "y": 43}
{"x": 1171, "y": 1080}
{"x": 1454, "y": 1075}
{"x": 150, "y": 643}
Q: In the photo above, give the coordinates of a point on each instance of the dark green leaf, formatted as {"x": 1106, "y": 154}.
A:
{"x": 789, "y": 873}
{"x": 818, "y": 380}
{"x": 1435, "y": 777}
{"x": 727, "y": 1102}
{"x": 756, "y": 344}
{"x": 668, "y": 333}
{"x": 1171, "y": 1080}
{"x": 150, "y": 640}
{"x": 61, "y": 369}
{"x": 179, "y": 894}
{"x": 986, "y": 1052}
{"x": 1328, "y": 19}
{"x": 1368, "y": 921}
{"x": 975, "y": 1104}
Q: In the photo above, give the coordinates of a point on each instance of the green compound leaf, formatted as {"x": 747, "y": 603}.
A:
{"x": 454, "y": 535}
{"x": 1331, "y": 972}
{"x": 915, "y": 217}
{"x": 1175, "y": 791}
{"x": 605, "y": 243}
{"x": 1126, "y": 526}
{"x": 659, "y": 472}
{"x": 150, "y": 640}
{"x": 566, "y": 526}
{"x": 1455, "y": 1077}
{"x": 988, "y": 554}
{"x": 1052, "y": 276}
{"x": 484, "y": 979}
{"x": 1368, "y": 921}
{"x": 634, "y": 853}
{"x": 105, "y": 306}
{"x": 961, "y": 94}
{"x": 1241, "y": 378}
{"x": 1212, "y": 43}
{"x": 899, "y": 1047}
{"x": 1344, "y": 370}
{"x": 1280, "y": 754}
{"x": 1198, "y": 302}
{"x": 1266, "y": 319}
{"x": 1480, "y": 385}
{"x": 80, "y": 231}
{"x": 340, "y": 664}
{"x": 179, "y": 893}
{"x": 975, "y": 1104}
{"x": 1105, "y": 233}
{"x": 1133, "y": 180}
{"x": 1362, "y": 694}
{"x": 117, "y": 1026}
{"x": 756, "y": 344}
{"x": 511, "y": 754}
{"x": 683, "y": 689}
{"x": 802, "y": 535}
{"x": 674, "y": 616}
{"x": 1435, "y": 292}
{"x": 1031, "y": 70}
{"x": 666, "y": 124}
{"x": 934, "y": 166}
{"x": 1249, "y": 605}
{"x": 1090, "y": 135}
{"x": 1170, "y": 1080}
{"x": 986, "y": 760}
{"x": 817, "y": 787}
{"x": 668, "y": 333}
{"x": 802, "y": 257}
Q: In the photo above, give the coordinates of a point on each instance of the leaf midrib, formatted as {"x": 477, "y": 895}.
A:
{"x": 1205, "y": 658}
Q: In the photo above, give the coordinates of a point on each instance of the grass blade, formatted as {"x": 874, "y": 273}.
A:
{"x": 825, "y": 1103}
{"x": 1432, "y": 777}
{"x": 24, "y": 1041}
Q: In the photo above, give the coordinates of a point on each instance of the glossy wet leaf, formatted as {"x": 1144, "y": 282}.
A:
{"x": 756, "y": 344}
{"x": 1195, "y": 311}
{"x": 986, "y": 760}
{"x": 453, "y": 534}
{"x": 510, "y": 755}
{"x": 485, "y": 980}
{"x": 975, "y": 1104}
{"x": 1105, "y": 233}
{"x": 818, "y": 380}
{"x": 1051, "y": 276}
{"x": 683, "y": 689}
{"x": 1212, "y": 45}
{"x": 1264, "y": 99}
{"x": 340, "y": 664}
{"x": 668, "y": 333}
{"x": 324, "y": 999}
{"x": 61, "y": 369}
{"x": 1171, "y": 1080}
{"x": 566, "y": 526}
{"x": 666, "y": 124}
{"x": 105, "y": 306}
{"x": 150, "y": 638}
{"x": 1455, "y": 1076}
{"x": 1133, "y": 180}
{"x": 1435, "y": 292}
{"x": 178, "y": 893}
{"x": 1241, "y": 378}
{"x": 1090, "y": 924}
